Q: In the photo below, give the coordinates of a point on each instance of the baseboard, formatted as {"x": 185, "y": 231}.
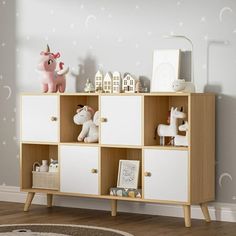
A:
{"x": 218, "y": 211}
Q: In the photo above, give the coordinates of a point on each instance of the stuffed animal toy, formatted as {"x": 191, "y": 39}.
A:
{"x": 182, "y": 140}
{"x": 52, "y": 80}
{"x": 89, "y": 132}
{"x": 54, "y": 166}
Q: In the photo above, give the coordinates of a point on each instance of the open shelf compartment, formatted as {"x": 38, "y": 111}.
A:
{"x": 32, "y": 153}
{"x": 110, "y": 158}
{"x": 156, "y": 110}
{"x": 69, "y": 131}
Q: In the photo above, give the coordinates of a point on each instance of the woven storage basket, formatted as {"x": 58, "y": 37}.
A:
{"x": 46, "y": 180}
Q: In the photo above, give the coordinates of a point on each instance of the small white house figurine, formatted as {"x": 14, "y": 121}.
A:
{"x": 116, "y": 82}
{"x": 98, "y": 81}
{"x": 128, "y": 84}
{"x": 107, "y": 83}
{"x": 88, "y": 87}
{"x": 182, "y": 140}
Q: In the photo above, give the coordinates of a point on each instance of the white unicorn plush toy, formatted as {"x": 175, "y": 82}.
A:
{"x": 89, "y": 132}
{"x": 182, "y": 140}
{"x": 171, "y": 129}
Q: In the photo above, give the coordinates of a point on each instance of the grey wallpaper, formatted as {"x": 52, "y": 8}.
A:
{"x": 118, "y": 35}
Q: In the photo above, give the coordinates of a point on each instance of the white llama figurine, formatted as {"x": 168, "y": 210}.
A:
{"x": 89, "y": 132}
{"x": 182, "y": 140}
{"x": 171, "y": 129}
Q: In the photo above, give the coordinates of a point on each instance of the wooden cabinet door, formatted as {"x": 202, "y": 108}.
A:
{"x": 166, "y": 175}
{"x": 79, "y": 169}
{"x": 40, "y": 118}
{"x": 121, "y": 120}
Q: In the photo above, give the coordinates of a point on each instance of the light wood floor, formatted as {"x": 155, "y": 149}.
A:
{"x": 139, "y": 225}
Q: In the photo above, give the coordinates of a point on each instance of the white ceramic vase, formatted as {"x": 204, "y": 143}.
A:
{"x": 44, "y": 166}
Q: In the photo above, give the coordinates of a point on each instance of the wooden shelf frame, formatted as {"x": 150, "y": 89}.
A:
{"x": 200, "y": 109}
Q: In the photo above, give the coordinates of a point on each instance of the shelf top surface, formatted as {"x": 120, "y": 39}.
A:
{"x": 115, "y": 94}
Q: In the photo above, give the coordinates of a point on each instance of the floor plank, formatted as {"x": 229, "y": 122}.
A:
{"x": 136, "y": 224}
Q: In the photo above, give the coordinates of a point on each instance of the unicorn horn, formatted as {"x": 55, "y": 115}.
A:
{"x": 48, "y": 48}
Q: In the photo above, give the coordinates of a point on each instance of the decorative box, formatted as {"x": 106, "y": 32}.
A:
{"x": 45, "y": 180}
{"x": 126, "y": 192}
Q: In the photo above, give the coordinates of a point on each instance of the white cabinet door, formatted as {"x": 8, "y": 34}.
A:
{"x": 168, "y": 175}
{"x": 122, "y": 124}
{"x": 79, "y": 169}
{"x": 39, "y": 118}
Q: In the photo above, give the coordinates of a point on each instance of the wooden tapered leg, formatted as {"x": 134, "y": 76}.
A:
{"x": 187, "y": 215}
{"x": 49, "y": 200}
{"x": 205, "y": 212}
{"x": 28, "y": 202}
{"x": 113, "y": 207}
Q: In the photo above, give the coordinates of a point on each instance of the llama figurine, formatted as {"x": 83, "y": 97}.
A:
{"x": 52, "y": 80}
{"x": 171, "y": 129}
{"x": 89, "y": 132}
{"x": 182, "y": 140}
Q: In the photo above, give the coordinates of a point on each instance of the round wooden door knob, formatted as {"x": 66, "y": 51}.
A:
{"x": 53, "y": 118}
{"x": 147, "y": 174}
{"x": 103, "y": 119}
{"x": 94, "y": 171}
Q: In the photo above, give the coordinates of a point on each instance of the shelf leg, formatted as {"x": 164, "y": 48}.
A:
{"x": 205, "y": 212}
{"x": 28, "y": 202}
{"x": 49, "y": 200}
{"x": 113, "y": 207}
{"x": 187, "y": 215}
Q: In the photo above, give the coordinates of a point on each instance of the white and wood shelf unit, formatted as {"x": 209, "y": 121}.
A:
{"x": 169, "y": 174}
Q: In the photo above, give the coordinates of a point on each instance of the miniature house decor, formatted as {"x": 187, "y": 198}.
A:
{"x": 107, "y": 83}
{"x": 128, "y": 84}
{"x": 98, "y": 81}
{"x": 116, "y": 82}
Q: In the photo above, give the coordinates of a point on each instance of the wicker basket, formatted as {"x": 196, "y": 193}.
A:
{"x": 45, "y": 180}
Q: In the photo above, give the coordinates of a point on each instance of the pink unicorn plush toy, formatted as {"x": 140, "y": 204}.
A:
{"x": 52, "y": 80}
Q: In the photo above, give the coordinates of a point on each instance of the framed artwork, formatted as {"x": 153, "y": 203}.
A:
{"x": 166, "y": 67}
{"x": 128, "y": 174}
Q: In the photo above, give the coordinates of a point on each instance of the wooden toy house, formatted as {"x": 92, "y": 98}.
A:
{"x": 107, "y": 83}
{"x": 128, "y": 84}
{"x": 116, "y": 82}
{"x": 99, "y": 81}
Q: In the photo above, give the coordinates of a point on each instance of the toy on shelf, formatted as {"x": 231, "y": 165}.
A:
{"x": 107, "y": 83}
{"x": 89, "y": 88}
{"x": 171, "y": 129}
{"x": 182, "y": 140}
{"x": 138, "y": 86}
{"x": 180, "y": 85}
{"x": 99, "y": 82}
{"x": 54, "y": 166}
{"x": 116, "y": 81}
{"x": 89, "y": 132}
{"x": 52, "y": 80}
{"x": 128, "y": 84}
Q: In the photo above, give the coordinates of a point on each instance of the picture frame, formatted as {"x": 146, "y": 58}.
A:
{"x": 128, "y": 174}
{"x": 166, "y": 69}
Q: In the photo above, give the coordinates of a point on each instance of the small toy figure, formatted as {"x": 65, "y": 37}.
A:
{"x": 88, "y": 87}
{"x": 171, "y": 129}
{"x": 182, "y": 140}
{"x": 99, "y": 82}
{"x": 89, "y": 132}
{"x": 54, "y": 166}
{"x": 52, "y": 80}
{"x": 116, "y": 81}
{"x": 128, "y": 84}
{"x": 107, "y": 83}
